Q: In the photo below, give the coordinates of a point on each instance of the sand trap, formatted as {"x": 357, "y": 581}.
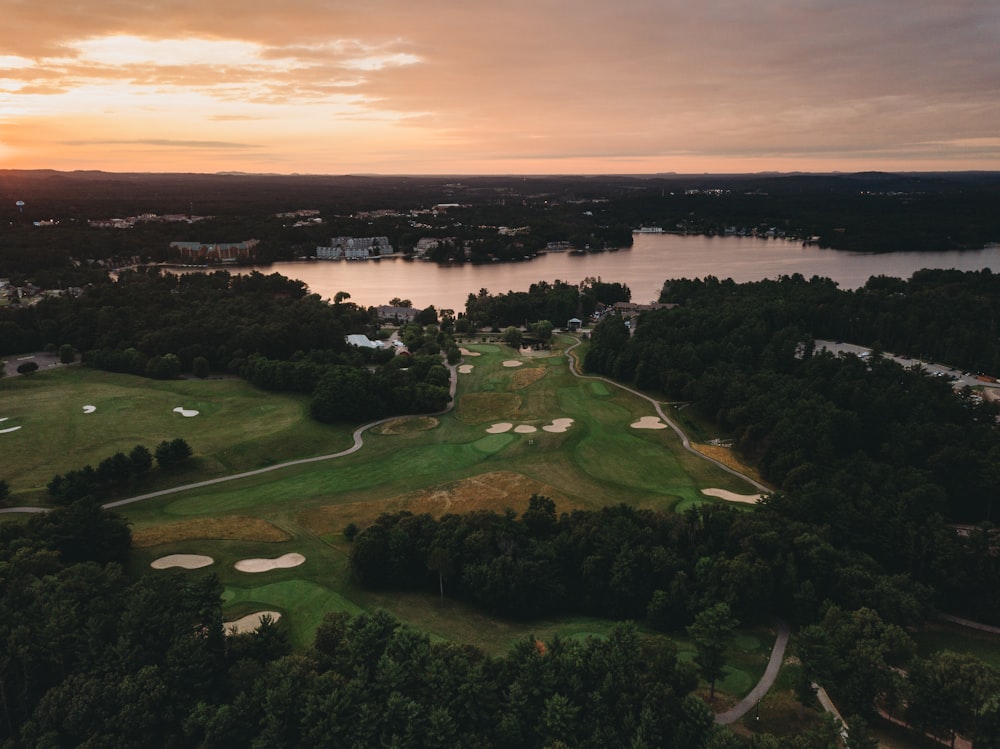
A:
{"x": 249, "y": 623}
{"x": 513, "y": 363}
{"x": 9, "y": 429}
{"x": 558, "y": 425}
{"x": 750, "y": 499}
{"x": 500, "y": 428}
{"x": 648, "y": 422}
{"x": 264, "y": 565}
{"x": 89, "y": 409}
{"x": 187, "y": 561}
{"x": 464, "y": 368}
{"x": 185, "y": 411}
{"x": 525, "y": 429}
{"x": 466, "y": 352}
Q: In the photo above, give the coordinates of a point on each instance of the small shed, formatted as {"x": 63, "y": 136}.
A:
{"x": 574, "y": 323}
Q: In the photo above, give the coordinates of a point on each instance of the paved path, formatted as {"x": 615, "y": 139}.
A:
{"x": 756, "y": 694}
{"x": 666, "y": 419}
{"x": 357, "y": 445}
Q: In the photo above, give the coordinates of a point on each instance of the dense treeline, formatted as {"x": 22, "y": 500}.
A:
{"x": 90, "y": 658}
{"x": 557, "y": 301}
{"x": 633, "y": 564}
{"x": 117, "y": 472}
{"x": 666, "y": 569}
{"x": 877, "y": 455}
{"x": 744, "y": 355}
{"x": 149, "y": 314}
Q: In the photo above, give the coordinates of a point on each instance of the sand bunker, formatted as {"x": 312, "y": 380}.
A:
{"x": 264, "y": 565}
{"x": 558, "y": 425}
{"x": 751, "y": 499}
{"x": 500, "y": 428}
{"x": 513, "y": 363}
{"x": 8, "y": 429}
{"x": 187, "y": 561}
{"x": 466, "y": 352}
{"x": 648, "y": 422}
{"x": 185, "y": 411}
{"x": 464, "y": 368}
{"x": 525, "y": 429}
{"x": 89, "y": 409}
{"x": 249, "y": 623}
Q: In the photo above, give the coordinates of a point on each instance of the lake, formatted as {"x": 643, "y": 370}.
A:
{"x": 651, "y": 260}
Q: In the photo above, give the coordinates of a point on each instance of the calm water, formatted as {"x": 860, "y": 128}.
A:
{"x": 651, "y": 260}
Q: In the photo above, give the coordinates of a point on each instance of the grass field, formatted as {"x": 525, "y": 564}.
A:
{"x": 446, "y": 464}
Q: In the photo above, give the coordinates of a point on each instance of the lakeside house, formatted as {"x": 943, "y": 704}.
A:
{"x": 354, "y": 248}
{"x": 226, "y": 252}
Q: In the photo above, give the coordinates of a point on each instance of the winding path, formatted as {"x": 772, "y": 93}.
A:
{"x": 357, "y": 445}
{"x": 667, "y": 420}
{"x": 756, "y": 694}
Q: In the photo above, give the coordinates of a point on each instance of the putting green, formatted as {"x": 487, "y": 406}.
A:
{"x": 304, "y": 603}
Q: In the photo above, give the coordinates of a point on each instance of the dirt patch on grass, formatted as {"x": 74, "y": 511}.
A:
{"x": 475, "y": 408}
{"x": 494, "y": 491}
{"x": 250, "y": 622}
{"x": 184, "y": 561}
{"x": 236, "y": 528}
{"x": 524, "y": 377}
{"x": 728, "y": 458}
{"x": 285, "y": 561}
{"x": 411, "y": 425}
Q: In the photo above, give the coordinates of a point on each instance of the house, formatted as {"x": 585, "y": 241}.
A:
{"x": 396, "y": 314}
{"x": 355, "y": 248}
{"x": 223, "y": 252}
{"x": 362, "y": 341}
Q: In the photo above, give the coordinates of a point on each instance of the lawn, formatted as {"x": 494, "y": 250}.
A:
{"x": 237, "y": 428}
{"x": 447, "y": 464}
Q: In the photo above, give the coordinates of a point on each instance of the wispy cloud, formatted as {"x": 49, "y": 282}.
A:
{"x": 392, "y": 85}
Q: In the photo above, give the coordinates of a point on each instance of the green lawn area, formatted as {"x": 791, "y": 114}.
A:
{"x": 599, "y": 460}
{"x": 237, "y": 428}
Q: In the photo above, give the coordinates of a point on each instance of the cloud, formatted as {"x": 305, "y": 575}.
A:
{"x": 448, "y": 83}
{"x": 161, "y": 143}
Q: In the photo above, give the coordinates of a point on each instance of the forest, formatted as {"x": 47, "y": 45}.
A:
{"x": 264, "y": 328}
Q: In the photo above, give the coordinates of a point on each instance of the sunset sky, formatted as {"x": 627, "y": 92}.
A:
{"x": 517, "y": 86}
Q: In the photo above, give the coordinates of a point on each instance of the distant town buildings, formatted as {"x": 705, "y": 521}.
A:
{"x": 354, "y": 248}
{"x": 227, "y": 252}
{"x": 131, "y": 221}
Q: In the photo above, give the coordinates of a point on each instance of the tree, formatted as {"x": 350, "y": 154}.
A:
{"x": 439, "y": 561}
{"x": 67, "y": 354}
{"x": 711, "y": 632}
{"x": 200, "y": 367}
{"x": 4, "y": 490}
{"x": 542, "y": 330}
{"x": 27, "y": 368}
{"x": 142, "y": 459}
{"x": 171, "y": 454}
{"x": 512, "y": 337}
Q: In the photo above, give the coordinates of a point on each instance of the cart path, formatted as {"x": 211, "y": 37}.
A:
{"x": 763, "y": 686}
{"x": 666, "y": 419}
{"x": 358, "y": 443}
